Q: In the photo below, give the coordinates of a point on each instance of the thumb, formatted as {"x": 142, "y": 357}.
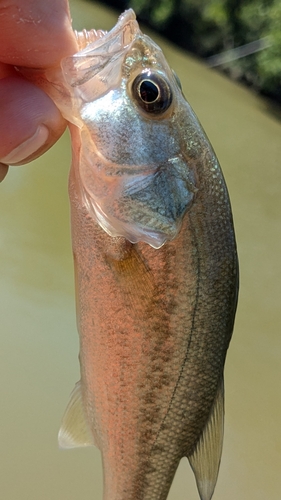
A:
{"x": 30, "y": 123}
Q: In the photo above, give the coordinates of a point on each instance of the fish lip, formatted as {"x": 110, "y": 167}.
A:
{"x": 128, "y": 17}
{"x": 80, "y": 67}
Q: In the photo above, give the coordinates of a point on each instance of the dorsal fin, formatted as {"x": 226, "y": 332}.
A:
{"x": 205, "y": 459}
{"x": 75, "y": 431}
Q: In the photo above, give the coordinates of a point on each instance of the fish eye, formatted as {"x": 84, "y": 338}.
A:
{"x": 152, "y": 92}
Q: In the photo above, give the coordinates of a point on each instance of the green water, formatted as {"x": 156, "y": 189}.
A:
{"x": 39, "y": 343}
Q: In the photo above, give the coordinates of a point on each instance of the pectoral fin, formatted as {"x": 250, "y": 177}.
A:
{"x": 205, "y": 459}
{"x": 75, "y": 431}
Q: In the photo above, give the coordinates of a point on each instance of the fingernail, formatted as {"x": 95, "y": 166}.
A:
{"x": 28, "y": 147}
{"x": 3, "y": 171}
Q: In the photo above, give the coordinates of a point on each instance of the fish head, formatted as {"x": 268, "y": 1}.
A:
{"x": 137, "y": 174}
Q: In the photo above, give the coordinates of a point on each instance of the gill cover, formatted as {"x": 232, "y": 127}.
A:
{"x": 133, "y": 175}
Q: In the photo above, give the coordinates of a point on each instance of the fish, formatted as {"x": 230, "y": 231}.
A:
{"x": 156, "y": 268}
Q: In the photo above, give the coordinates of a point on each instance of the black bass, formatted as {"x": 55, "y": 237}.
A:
{"x": 156, "y": 268}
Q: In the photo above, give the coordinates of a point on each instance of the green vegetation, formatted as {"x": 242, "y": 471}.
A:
{"x": 208, "y": 27}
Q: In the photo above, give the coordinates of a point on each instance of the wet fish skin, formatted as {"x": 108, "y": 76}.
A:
{"x": 174, "y": 364}
{"x": 155, "y": 315}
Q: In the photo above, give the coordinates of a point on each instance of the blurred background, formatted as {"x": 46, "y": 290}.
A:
{"x": 38, "y": 339}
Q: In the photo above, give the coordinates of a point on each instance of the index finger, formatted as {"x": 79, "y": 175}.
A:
{"x": 35, "y": 33}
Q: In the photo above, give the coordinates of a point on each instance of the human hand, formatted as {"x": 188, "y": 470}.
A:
{"x": 33, "y": 34}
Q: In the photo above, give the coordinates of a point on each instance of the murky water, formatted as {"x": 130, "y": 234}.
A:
{"x": 39, "y": 343}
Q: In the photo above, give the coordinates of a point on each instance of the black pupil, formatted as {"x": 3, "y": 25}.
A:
{"x": 148, "y": 91}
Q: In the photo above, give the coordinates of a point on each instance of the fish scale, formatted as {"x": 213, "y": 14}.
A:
{"x": 176, "y": 435}
{"x": 156, "y": 267}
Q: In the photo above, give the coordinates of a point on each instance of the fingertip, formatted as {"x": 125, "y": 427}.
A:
{"x": 30, "y": 123}
{"x": 35, "y": 33}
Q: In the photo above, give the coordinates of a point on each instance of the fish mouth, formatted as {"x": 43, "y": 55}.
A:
{"x": 99, "y": 48}
{"x": 126, "y": 25}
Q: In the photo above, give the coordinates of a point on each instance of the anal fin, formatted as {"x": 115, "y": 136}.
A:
{"x": 205, "y": 459}
{"x": 75, "y": 431}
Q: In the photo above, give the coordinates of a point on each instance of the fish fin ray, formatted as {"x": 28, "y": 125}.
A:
{"x": 205, "y": 459}
{"x": 75, "y": 431}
